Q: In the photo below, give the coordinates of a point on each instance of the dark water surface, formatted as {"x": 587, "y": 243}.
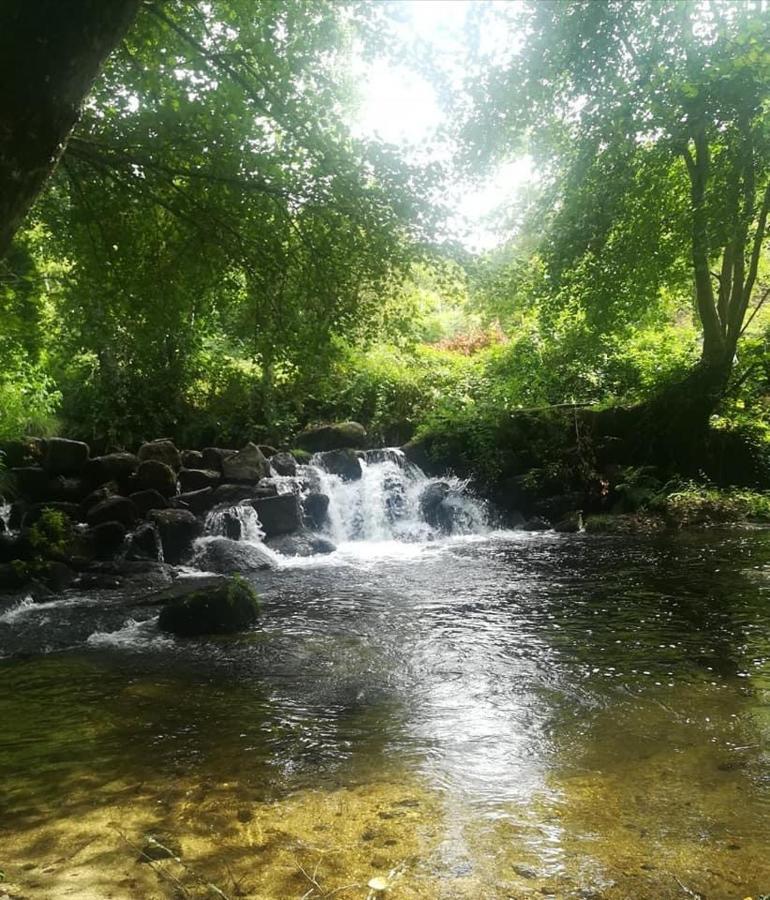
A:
{"x": 509, "y": 716}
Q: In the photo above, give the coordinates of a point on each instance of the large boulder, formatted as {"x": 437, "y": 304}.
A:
{"x": 303, "y": 543}
{"x": 197, "y": 501}
{"x": 145, "y": 543}
{"x": 193, "y": 459}
{"x": 316, "y": 509}
{"x": 155, "y": 475}
{"x": 178, "y": 529}
{"x": 345, "y": 463}
{"x": 31, "y": 481}
{"x": 163, "y": 451}
{"x": 278, "y": 515}
{"x": 25, "y": 452}
{"x": 221, "y": 554}
{"x": 434, "y": 508}
{"x": 230, "y": 494}
{"x": 214, "y": 457}
{"x": 148, "y": 499}
{"x": 210, "y": 606}
{"x": 64, "y": 457}
{"x": 197, "y": 479}
{"x": 247, "y": 465}
{"x": 117, "y": 467}
{"x": 338, "y": 436}
{"x": 284, "y": 464}
{"x": 107, "y": 538}
{"x": 96, "y": 496}
{"x": 113, "y": 509}
{"x": 67, "y": 488}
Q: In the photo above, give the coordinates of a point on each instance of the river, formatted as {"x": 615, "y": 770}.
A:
{"x": 490, "y": 715}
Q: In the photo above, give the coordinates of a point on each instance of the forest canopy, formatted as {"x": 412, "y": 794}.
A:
{"x": 221, "y": 253}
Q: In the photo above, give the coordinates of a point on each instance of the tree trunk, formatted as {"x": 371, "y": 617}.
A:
{"x": 50, "y": 53}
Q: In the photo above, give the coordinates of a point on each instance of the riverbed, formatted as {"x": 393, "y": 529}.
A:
{"x": 504, "y": 715}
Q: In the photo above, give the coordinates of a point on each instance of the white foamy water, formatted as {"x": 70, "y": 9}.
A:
{"x": 28, "y": 607}
{"x": 133, "y": 634}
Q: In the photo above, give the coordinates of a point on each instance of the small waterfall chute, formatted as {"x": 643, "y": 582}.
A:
{"x": 239, "y": 523}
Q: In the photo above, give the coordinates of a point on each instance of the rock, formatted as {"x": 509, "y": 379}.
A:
{"x": 247, "y": 465}
{"x": 135, "y": 577}
{"x": 434, "y": 508}
{"x": 284, "y": 463}
{"x": 13, "y": 576}
{"x": 267, "y": 450}
{"x": 193, "y": 459}
{"x": 110, "y": 489}
{"x": 148, "y": 499}
{"x": 214, "y": 457}
{"x": 197, "y": 501}
{"x": 197, "y": 479}
{"x": 537, "y": 523}
{"x": 57, "y": 576}
{"x": 278, "y": 515}
{"x": 153, "y": 474}
{"x": 339, "y": 436}
{"x": 113, "y": 509}
{"x": 117, "y": 467}
{"x": 64, "y": 457}
{"x": 315, "y": 508}
{"x": 163, "y": 451}
{"x": 25, "y": 452}
{"x": 14, "y": 547}
{"x": 34, "y": 513}
{"x": 221, "y": 554}
{"x": 230, "y": 494}
{"x": 215, "y": 608}
{"x": 145, "y": 543}
{"x": 18, "y": 511}
{"x": 304, "y": 543}
{"x": 107, "y": 538}
{"x": 570, "y": 524}
{"x": 345, "y": 463}
{"x": 178, "y": 529}
{"x": 71, "y": 490}
{"x": 31, "y": 481}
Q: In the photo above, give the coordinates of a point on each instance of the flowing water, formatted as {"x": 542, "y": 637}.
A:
{"x": 487, "y": 714}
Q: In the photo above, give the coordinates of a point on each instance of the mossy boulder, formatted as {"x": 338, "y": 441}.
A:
{"x": 336, "y": 436}
{"x": 212, "y": 606}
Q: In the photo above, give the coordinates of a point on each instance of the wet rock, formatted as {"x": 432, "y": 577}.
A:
{"x": 267, "y": 450}
{"x": 31, "y": 481}
{"x": 301, "y": 544}
{"x": 284, "y": 463}
{"x": 57, "y": 576}
{"x": 178, "y": 529}
{"x": 214, "y": 457}
{"x": 113, "y": 509}
{"x": 107, "y": 538}
{"x": 163, "y": 451}
{"x": 117, "y": 467}
{"x": 278, "y": 515}
{"x": 145, "y": 543}
{"x": 345, "y": 463}
{"x": 132, "y": 576}
{"x": 537, "y": 523}
{"x": 196, "y": 501}
{"x": 570, "y": 524}
{"x": 13, "y": 577}
{"x": 228, "y": 556}
{"x": 230, "y": 494}
{"x": 247, "y": 465}
{"x": 155, "y": 475}
{"x": 70, "y": 490}
{"x": 193, "y": 459}
{"x": 338, "y": 436}
{"x": 434, "y": 508}
{"x": 27, "y": 451}
{"x": 64, "y": 457}
{"x": 148, "y": 499}
{"x": 315, "y": 508}
{"x": 110, "y": 489}
{"x": 221, "y": 607}
{"x": 14, "y": 547}
{"x": 197, "y": 479}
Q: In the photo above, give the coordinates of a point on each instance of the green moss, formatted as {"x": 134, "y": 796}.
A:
{"x": 230, "y": 607}
{"x": 301, "y": 456}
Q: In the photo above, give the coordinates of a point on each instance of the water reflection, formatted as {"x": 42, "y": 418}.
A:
{"x": 488, "y": 718}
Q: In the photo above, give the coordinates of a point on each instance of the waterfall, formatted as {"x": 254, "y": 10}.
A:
{"x": 393, "y": 499}
{"x": 240, "y": 523}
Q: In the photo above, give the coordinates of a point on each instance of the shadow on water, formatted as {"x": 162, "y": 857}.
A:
{"x": 506, "y": 716}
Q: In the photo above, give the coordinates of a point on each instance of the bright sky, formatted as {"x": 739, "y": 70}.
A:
{"x": 400, "y": 106}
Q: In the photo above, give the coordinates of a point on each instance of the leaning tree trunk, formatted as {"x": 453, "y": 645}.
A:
{"x": 50, "y": 53}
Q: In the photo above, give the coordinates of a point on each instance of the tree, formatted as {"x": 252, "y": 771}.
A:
{"x": 50, "y": 53}
{"x": 651, "y": 121}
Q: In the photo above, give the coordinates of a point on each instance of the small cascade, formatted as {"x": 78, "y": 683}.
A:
{"x": 239, "y": 523}
{"x": 393, "y": 499}
{"x": 5, "y": 515}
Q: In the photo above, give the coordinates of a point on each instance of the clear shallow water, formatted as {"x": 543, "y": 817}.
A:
{"x": 511, "y": 715}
